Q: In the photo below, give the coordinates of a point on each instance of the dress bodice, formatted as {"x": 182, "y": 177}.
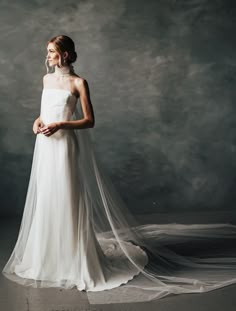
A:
{"x": 57, "y": 105}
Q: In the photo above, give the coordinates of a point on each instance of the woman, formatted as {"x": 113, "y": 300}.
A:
{"x": 78, "y": 86}
{"x": 57, "y": 245}
{"x": 76, "y": 230}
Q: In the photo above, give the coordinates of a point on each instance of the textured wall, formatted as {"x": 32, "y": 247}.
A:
{"x": 162, "y": 83}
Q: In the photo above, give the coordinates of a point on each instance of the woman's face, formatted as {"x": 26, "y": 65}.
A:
{"x": 52, "y": 55}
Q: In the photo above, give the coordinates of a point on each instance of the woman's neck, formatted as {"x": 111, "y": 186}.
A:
{"x": 64, "y": 70}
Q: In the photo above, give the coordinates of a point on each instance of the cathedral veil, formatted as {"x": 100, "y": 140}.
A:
{"x": 181, "y": 258}
{"x": 169, "y": 270}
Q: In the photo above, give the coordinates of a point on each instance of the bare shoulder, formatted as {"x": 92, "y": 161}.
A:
{"x": 80, "y": 82}
{"x": 46, "y": 77}
{"x": 81, "y": 85}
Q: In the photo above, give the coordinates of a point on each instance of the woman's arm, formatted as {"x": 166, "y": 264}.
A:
{"x": 38, "y": 122}
{"x": 87, "y": 108}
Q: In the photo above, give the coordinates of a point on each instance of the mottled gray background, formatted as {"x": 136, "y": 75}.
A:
{"x": 162, "y": 83}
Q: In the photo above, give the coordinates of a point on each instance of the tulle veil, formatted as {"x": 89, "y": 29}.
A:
{"x": 170, "y": 270}
{"x": 182, "y": 258}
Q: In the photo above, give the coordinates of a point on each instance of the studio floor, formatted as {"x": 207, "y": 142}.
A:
{"x": 14, "y": 297}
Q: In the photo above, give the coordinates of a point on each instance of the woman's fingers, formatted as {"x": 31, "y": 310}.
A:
{"x": 44, "y": 130}
{"x": 38, "y": 127}
{"x": 35, "y": 130}
{"x": 48, "y": 130}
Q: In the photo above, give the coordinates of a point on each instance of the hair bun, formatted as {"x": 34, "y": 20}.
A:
{"x": 73, "y": 57}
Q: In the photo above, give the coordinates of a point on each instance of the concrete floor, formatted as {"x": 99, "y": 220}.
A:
{"x": 14, "y": 297}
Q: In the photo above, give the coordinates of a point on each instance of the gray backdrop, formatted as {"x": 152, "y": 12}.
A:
{"x": 162, "y": 83}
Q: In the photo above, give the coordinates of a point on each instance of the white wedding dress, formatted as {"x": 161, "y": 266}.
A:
{"x": 77, "y": 232}
{"x": 61, "y": 246}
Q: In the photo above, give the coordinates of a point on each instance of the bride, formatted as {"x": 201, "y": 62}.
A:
{"x": 76, "y": 231}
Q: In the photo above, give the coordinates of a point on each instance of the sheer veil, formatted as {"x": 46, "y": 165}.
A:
{"x": 181, "y": 258}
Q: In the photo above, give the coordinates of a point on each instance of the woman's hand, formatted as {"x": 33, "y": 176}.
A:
{"x": 50, "y": 129}
{"x": 37, "y": 125}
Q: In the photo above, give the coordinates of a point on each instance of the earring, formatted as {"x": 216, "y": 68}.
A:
{"x": 64, "y": 62}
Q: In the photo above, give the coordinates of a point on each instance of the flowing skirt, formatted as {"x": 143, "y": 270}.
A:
{"x": 60, "y": 248}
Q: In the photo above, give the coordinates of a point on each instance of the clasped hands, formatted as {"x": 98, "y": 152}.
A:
{"x": 47, "y": 130}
